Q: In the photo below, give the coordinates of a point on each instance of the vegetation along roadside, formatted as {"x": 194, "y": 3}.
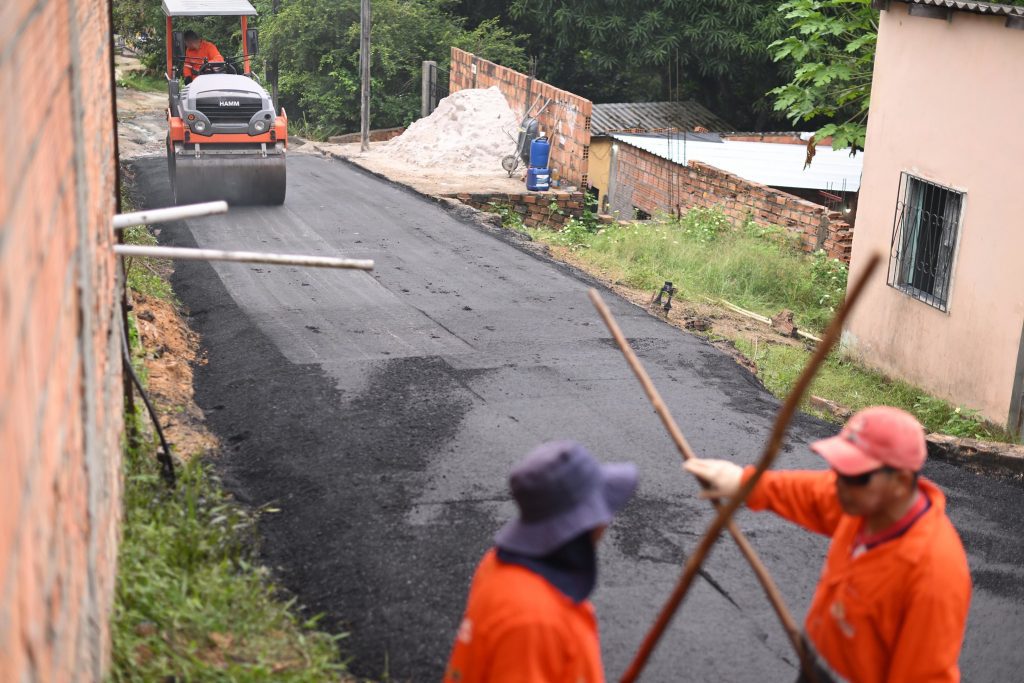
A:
{"x": 758, "y": 268}
{"x": 192, "y": 601}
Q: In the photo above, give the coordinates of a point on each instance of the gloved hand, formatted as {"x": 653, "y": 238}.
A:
{"x": 723, "y": 477}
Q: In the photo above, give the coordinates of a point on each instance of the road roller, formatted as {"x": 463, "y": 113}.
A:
{"x": 225, "y": 139}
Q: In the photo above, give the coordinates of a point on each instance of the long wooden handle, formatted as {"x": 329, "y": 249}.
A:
{"x": 682, "y": 445}
{"x": 771, "y": 450}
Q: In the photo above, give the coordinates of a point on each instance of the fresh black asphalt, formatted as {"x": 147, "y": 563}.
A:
{"x": 380, "y": 413}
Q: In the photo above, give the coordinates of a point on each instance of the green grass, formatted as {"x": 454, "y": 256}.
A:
{"x": 851, "y": 385}
{"x": 139, "y": 80}
{"x": 147, "y": 275}
{"x": 756, "y": 267}
{"x": 192, "y": 604}
{"x": 762, "y": 269}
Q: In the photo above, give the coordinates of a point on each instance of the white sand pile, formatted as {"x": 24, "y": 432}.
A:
{"x": 467, "y": 132}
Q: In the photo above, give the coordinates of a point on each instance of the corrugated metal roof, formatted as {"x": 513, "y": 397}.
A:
{"x": 774, "y": 164}
{"x": 975, "y": 7}
{"x": 207, "y": 8}
{"x": 653, "y": 116}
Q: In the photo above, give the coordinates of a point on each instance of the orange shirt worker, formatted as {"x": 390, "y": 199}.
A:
{"x": 198, "y": 52}
{"x": 528, "y": 618}
{"x": 891, "y": 604}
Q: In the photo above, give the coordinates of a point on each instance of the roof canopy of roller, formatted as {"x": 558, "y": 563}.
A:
{"x": 208, "y": 8}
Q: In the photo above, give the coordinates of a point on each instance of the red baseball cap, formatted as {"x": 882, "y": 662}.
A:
{"x": 873, "y": 438}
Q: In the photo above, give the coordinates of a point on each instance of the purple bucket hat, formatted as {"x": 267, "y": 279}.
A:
{"x": 562, "y": 491}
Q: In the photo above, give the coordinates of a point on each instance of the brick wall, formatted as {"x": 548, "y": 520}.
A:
{"x": 538, "y": 209}
{"x": 60, "y": 382}
{"x": 566, "y": 120}
{"x": 656, "y": 185}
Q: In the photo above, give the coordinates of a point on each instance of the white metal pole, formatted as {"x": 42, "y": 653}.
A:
{"x": 171, "y": 213}
{"x": 185, "y": 254}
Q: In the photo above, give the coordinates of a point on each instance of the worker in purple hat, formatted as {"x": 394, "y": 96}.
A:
{"x": 528, "y": 618}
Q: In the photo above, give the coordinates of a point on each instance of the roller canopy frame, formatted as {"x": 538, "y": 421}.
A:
{"x": 208, "y": 8}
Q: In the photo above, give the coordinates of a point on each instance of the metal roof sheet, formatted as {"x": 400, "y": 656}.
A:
{"x": 975, "y": 7}
{"x": 207, "y": 8}
{"x": 767, "y": 163}
{"x": 653, "y": 116}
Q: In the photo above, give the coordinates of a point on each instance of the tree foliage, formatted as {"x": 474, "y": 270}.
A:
{"x": 317, "y": 43}
{"x": 832, "y": 49}
{"x": 628, "y": 50}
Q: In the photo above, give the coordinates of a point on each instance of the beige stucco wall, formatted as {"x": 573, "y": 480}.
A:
{"x": 600, "y": 163}
{"x": 947, "y": 100}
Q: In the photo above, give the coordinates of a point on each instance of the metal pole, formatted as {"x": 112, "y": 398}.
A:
{"x": 364, "y": 69}
{"x": 171, "y": 213}
{"x": 427, "y": 91}
{"x": 274, "y": 62}
{"x": 184, "y": 254}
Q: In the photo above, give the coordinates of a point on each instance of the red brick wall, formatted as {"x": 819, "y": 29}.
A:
{"x": 566, "y": 120}
{"x": 538, "y": 209}
{"x": 656, "y": 185}
{"x": 60, "y": 384}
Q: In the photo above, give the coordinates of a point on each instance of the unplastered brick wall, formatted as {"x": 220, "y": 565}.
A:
{"x": 60, "y": 370}
{"x": 654, "y": 185}
{"x": 566, "y": 119}
{"x": 537, "y": 209}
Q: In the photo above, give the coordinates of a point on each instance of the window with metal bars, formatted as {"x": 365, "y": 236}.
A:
{"x": 924, "y": 239}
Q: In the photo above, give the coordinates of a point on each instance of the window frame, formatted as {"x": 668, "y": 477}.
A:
{"x": 897, "y": 275}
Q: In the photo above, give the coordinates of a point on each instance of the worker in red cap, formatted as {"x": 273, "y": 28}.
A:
{"x": 528, "y": 617}
{"x": 891, "y": 604}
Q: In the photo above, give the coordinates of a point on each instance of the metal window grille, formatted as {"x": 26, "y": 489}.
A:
{"x": 924, "y": 237}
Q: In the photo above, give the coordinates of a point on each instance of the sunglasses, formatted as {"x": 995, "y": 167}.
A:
{"x": 861, "y": 479}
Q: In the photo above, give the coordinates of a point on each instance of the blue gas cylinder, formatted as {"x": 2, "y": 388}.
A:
{"x": 538, "y": 179}
{"x": 539, "y": 151}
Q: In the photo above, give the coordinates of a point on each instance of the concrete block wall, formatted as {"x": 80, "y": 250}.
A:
{"x": 60, "y": 370}
{"x": 656, "y": 185}
{"x": 566, "y": 120}
{"x": 379, "y": 135}
{"x": 538, "y": 209}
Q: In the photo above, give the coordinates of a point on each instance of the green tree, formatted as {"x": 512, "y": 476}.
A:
{"x": 317, "y": 43}
{"x": 832, "y": 51}
{"x": 713, "y": 50}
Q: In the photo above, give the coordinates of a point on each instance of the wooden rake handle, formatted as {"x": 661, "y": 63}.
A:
{"x": 726, "y": 511}
{"x": 683, "y": 446}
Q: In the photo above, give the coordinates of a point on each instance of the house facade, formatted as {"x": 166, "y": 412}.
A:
{"x": 941, "y": 199}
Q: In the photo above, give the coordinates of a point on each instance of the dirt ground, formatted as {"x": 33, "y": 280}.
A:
{"x": 434, "y": 182}
{"x": 141, "y": 125}
{"x": 171, "y": 350}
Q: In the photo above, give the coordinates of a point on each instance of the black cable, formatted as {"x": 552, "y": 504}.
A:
{"x": 163, "y": 455}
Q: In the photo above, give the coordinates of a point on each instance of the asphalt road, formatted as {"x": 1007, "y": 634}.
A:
{"x": 381, "y": 412}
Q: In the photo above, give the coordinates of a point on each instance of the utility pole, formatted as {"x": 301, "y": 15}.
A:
{"x": 364, "y": 73}
{"x": 274, "y": 64}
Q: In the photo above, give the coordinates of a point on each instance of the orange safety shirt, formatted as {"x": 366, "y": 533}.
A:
{"x": 518, "y": 628}
{"x": 895, "y": 613}
{"x": 194, "y": 59}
